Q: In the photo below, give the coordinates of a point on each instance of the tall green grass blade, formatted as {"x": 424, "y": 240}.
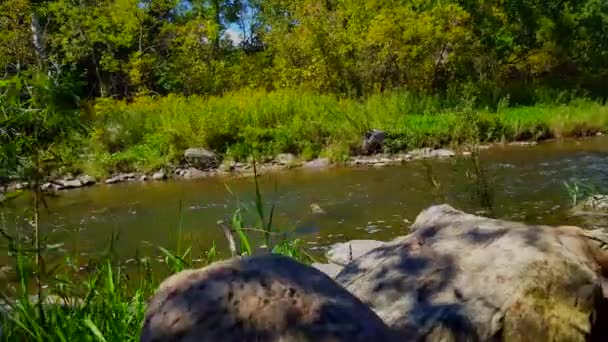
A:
{"x": 94, "y": 329}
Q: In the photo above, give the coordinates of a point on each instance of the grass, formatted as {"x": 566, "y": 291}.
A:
{"x": 107, "y": 300}
{"x": 152, "y": 132}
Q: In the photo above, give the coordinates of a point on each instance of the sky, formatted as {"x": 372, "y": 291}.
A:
{"x": 234, "y": 33}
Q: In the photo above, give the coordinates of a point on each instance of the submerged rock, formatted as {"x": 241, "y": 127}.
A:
{"x": 463, "y": 277}
{"x": 260, "y": 298}
{"x": 316, "y": 209}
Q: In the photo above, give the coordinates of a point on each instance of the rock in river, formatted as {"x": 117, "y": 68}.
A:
{"x": 287, "y": 159}
{"x": 462, "y": 277}
{"x": 316, "y": 209}
{"x": 87, "y": 180}
{"x": 319, "y": 163}
{"x": 159, "y": 175}
{"x": 69, "y": 183}
{"x": 193, "y": 173}
{"x": 260, "y": 298}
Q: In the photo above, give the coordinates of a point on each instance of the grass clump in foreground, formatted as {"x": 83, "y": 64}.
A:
{"x": 108, "y": 302}
{"x": 152, "y": 132}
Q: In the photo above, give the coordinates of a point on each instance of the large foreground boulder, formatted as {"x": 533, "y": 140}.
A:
{"x": 460, "y": 277}
{"x": 261, "y": 298}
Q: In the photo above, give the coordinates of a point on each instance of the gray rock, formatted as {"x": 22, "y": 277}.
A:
{"x": 286, "y": 159}
{"x": 21, "y": 186}
{"x": 597, "y": 203}
{"x": 193, "y": 173}
{"x": 87, "y": 180}
{"x": 374, "y": 160}
{"x": 128, "y": 176}
{"x": 47, "y": 186}
{"x": 227, "y": 166}
{"x": 442, "y": 153}
{"x": 69, "y": 183}
{"x": 460, "y": 277}
{"x": 593, "y": 211}
{"x": 372, "y": 141}
{"x": 344, "y": 252}
{"x": 330, "y": 269}
{"x": 421, "y": 152}
{"x": 319, "y": 163}
{"x": 113, "y": 180}
{"x": 159, "y": 175}
{"x": 428, "y": 152}
{"x": 262, "y": 298}
{"x": 143, "y": 178}
{"x": 523, "y": 143}
{"x": 201, "y": 158}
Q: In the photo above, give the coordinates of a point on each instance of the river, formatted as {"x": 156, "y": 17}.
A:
{"x": 524, "y": 184}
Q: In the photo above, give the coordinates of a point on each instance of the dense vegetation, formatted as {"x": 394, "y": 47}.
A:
{"x": 100, "y": 86}
{"x": 146, "y": 79}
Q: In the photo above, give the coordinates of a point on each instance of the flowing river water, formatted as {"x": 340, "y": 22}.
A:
{"x": 518, "y": 183}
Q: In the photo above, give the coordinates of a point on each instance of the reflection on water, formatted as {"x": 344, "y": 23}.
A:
{"x": 379, "y": 203}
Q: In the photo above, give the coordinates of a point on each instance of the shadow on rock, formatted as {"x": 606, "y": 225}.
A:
{"x": 464, "y": 277}
{"x": 261, "y": 298}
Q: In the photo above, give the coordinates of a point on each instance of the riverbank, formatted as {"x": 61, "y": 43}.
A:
{"x": 150, "y": 138}
{"x": 146, "y": 139}
{"x": 282, "y": 162}
{"x": 151, "y": 133}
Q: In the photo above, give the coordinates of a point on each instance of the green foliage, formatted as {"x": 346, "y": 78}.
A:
{"x": 150, "y": 132}
{"x": 578, "y": 191}
{"x": 456, "y": 48}
{"x": 305, "y": 77}
{"x": 37, "y": 113}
